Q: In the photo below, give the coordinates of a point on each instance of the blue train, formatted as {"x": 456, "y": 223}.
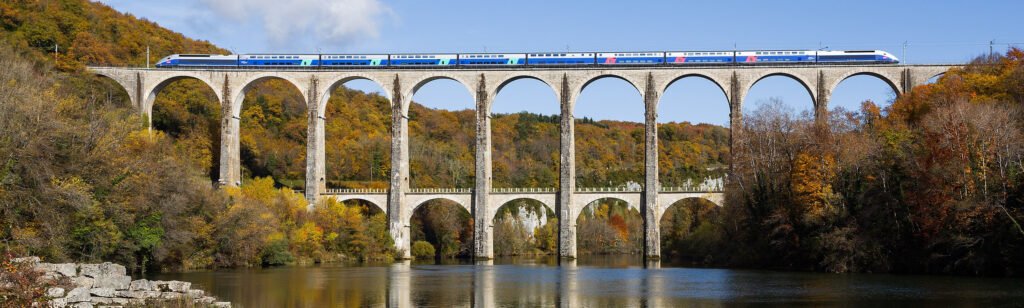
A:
{"x": 327, "y": 61}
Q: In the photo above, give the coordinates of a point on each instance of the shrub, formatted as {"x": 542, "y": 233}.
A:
{"x": 423, "y": 249}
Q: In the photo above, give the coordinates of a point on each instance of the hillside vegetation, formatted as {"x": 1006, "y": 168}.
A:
{"x": 930, "y": 184}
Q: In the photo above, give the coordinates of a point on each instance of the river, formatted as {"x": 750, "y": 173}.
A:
{"x": 620, "y": 281}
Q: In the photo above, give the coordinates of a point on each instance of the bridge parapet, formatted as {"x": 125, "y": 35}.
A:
{"x": 608, "y": 189}
{"x": 360, "y": 191}
{"x": 440, "y": 190}
{"x": 523, "y": 190}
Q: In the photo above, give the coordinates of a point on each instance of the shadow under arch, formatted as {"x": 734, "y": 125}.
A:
{"x": 186, "y": 109}
{"x": 686, "y": 226}
{"x": 375, "y": 208}
{"x": 609, "y": 225}
{"x": 445, "y": 223}
{"x": 152, "y": 93}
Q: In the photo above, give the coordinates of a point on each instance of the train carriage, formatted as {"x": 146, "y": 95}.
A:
{"x": 630, "y": 58}
{"x": 278, "y": 60}
{"x": 185, "y": 60}
{"x": 424, "y": 60}
{"x": 775, "y": 56}
{"x": 855, "y": 56}
{"x": 343, "y": 60}
{"x": 560, "y": 58}
{"x": 700, "y": 57}
{"x": 483, "y": 59}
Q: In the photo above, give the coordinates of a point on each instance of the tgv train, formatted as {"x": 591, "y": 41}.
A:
{"x": 531, "y": 59}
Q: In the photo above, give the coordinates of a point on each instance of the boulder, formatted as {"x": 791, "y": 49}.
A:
{"x": 222, "y": 304}
{"x": 104, "y": 292}
{"x": 66, "y": 269}
{"x": 172, "y": 286}
{"x": 55, "y": 292}
{"x": 81, "y": 305}
{"x": 83, "y": 281}
{"x": 141, "y": 285}
{"x": 139, "y": 294}
{"x": 26, "y": 259}
{"x": 103, "y": 269}
{"x": 170, "y": 295}
{"x": 101, "y": 300}
{"x": 195, "y": 293}
{"x": 113, "y": 282}
{"x": 79, "y": 294}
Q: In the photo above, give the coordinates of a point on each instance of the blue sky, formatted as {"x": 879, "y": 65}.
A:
{"x": 936, "y": 32}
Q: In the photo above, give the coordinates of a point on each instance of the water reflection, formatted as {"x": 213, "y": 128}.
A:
{"x": 587, "y": 282}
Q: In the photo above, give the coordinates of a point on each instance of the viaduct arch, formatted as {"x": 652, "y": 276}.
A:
{"x": 483, "y": 84}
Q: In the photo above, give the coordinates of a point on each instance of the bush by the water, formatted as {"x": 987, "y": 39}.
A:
{"x": 423, "y": 250}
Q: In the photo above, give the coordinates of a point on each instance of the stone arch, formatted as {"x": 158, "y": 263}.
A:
{"x": 690, "y": 75}
{"x": 382, "y": 207}
{"x": 888, "y": 81}
{"x": 796, "y": 77}
{"x": 407, "y": 97}
{"x": 590, "y": 79}
{"x": 670, "y": 201}
{"x": 583, "y": 201}
{"x": 127, "y": 88}
{"x": 505, "y": 201}
{"x": 239, "y": 95}
{"x": 508, "y": 80}
{"x": 339, "y": 81}
{"x": 151, "y": 93}
{"x": 419, "y": 203}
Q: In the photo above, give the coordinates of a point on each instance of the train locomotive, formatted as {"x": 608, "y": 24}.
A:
{"x": 684, "y": 58}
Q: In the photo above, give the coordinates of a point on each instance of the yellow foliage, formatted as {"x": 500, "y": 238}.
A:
{"x": 812, "y": 178}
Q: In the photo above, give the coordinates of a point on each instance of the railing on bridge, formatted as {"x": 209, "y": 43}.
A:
{"x": 440, "y": 190}
{"x": 355, "y": 191}
{"x": 524, "y": 190}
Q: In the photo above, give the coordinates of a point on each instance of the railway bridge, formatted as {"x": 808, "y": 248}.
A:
{"x": 399, "y": 200}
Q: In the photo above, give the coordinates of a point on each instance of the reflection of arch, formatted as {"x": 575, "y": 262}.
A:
{"x": 892, "y": 85}
{"x": 380, "y": 204}
{"x": 334, "y": 84}
{"x": 698, "y": 75}
{"x": 494, "y": 214}
{"x": 152, "y": 92}
{"x": 239, "y": 96}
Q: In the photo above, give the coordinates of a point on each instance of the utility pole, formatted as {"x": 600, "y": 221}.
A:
{"x": 904, "y": 51}
{"x": 147, "y": 56}
{"x": 55, "y": 50}
{"x": 990, "y": 51}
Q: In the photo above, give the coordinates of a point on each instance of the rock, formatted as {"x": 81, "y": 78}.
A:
{"x": 55, "y": 292}
{"x": 170, "y": 295}
{"x": 136, "y": 301}
{"x": 139, "y": 294}
{"x": 81, "y": 305}
{"x": 222, "y": 304}
{"x": 79, "y": 294}
{"x": 172, "y": 286}
{"x": 83, "y": 281}
{"x": 101, "y": 300}
{"x": 100, "y": 270}
{"x": 104, "y": 292}
{"x": 206, "y": 300}
{"x": 141, "y": 285}
{"x": 58, "y": 302}
{"x": 195, "y": 293}
{"x": 118, "y": 300}
{"x": 25, "y": 259}
{"x": 114, "y": 282}
{"x": 89, "y": 270}
{"x": 66, "y": 269}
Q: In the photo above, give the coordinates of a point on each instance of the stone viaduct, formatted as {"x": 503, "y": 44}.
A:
{"x": 483, "y": 84}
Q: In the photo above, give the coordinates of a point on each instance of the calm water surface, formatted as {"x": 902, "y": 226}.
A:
{"x": 591, "y": 282}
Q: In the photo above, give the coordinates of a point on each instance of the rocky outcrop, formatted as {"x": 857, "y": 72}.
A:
{"x": 107, "y": 284}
